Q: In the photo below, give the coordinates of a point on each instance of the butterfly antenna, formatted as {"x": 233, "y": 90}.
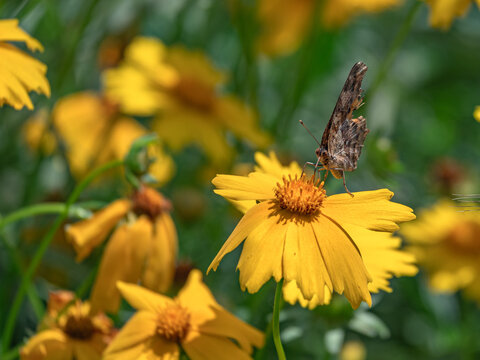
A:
{"x": 302, "y": 123}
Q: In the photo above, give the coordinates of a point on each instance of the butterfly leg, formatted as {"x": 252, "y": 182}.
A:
{"x": 345, "y": 186}
{"x": 315, "y": 165}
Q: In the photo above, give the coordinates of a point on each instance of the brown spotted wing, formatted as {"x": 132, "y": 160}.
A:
{"x": 343, "y": 138}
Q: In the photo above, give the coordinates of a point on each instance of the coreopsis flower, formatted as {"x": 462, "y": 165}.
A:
{"x": 476, "y": 113}
{"x": 180, "y": 87}
{"x": 69, "y": 331}
{"x": 94, "y": 132}
{"x": 193, "y": 321}
{"x": 316, "y": 243}
{"x": 446, "y": 242}
{"x": 142, "y": 247}
{"x": 443, "y": 12}
{"x": 285, "y": 23}
{"x": 19, "y": 72}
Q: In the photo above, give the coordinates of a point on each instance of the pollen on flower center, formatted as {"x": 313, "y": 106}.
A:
{"x": 300, "y": 195}
{"x": 465, "y": 237}
{"x": 173, "y": 322}
{"x": 147, "y": 201}
{"x": 79, "y": 327}
{"x": 194, "y": 93}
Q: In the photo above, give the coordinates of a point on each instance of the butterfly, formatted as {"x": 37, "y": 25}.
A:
{"x": 343, "y": 138}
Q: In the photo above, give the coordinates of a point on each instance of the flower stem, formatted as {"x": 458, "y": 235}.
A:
{"x": 275, "y": 321}
{"x": 396, "y": 45}
{"x": 44, "y": 244}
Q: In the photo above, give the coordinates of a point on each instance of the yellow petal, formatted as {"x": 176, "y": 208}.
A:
{"x": 343, "y": 261}
{"x": 160, "y": 349}
{"x": 122, "y": 260}
{"x": 255, "y": 186}
{"x": 134, "y": 336}
{"x": 88, "y": 234}
{"x": 207, "y": 347}
{"x": 271, "y": 165}
{"x": 292, "y": 294}
{"x": 83, "y": 350}
{"x": 20, "y": 74}
{"x": 53, "y": 344}
{"x": 476, "y": 113}
{"x": 370, "y": 209}
{"x": 141, "y": 298}
{"x": 303, "y": 262}
{"x": 443, "y": 12}
{"x": 250, "y": 221}
{"x": 9, "y": 31}
{"x": 160, "y": 266}
{"x": 262, "y": 252}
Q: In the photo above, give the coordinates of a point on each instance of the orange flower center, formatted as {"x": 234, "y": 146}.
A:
{"x": 300, "y": 195}
{"x": 79, "y": 327}
{"x": 147, "y": 201}
{"x": 465, "y": 238}
{"x": 194, "y": 93}
{"x": 173, "y": 322}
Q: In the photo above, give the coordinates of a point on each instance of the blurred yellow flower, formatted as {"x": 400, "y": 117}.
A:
{"x": 446, "y": 242}
{"x": 180, "y": 86}
{"x": 476, "y": 113}
{"x": 193, "y": 321}
{"x": 143, "y": 245}
{"x": 285, "y": 23}
{"x": 37, "y": 135}
{"x": 353, "y": 350}
{"x": 94, "y": 132}
{"x": 443, "y": 12}
{"x": 19, "y": 73}
{"x": 69, "y": 331}
{"x": 318, "y": 244}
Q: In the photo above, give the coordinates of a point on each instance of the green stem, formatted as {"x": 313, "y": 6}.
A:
{"x": 394, "y": 48}
{"x": 276, "y": 321}
{"x": 77, "y": 210}
{"x": 44, "y": 244}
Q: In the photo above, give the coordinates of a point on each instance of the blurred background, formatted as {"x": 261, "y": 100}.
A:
{"x": 282, "y": 61}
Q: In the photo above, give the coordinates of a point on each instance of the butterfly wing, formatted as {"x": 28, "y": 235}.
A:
{"x": 343, "y": 137}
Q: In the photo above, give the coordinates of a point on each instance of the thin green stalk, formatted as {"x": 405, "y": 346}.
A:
{"x": 75, "y": 210}
{"x": 394, "y": 48}
{"x": 44, "y": 244}
{"x": 276, "y": 321}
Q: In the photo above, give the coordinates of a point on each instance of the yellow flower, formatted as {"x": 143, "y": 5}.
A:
{"x": 94, "y": 133}
{"x": 446, "y": 242}
{"x": 37, "y": 134}
{"x": 443, "y": 12}
{"x": 19, "y": 73}
{"x": 69, "y": 331}
{"x": 143, "y": 245}
{"x": 180, "y": 86}
{"x": 193, "y": 321}
{"x": 315, "y": 242}
{"x": 285, "y": 23}
{"x": 476, "y": 113}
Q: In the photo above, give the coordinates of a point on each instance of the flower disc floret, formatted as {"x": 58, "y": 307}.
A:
{"x": 300, "y": 195}
{"x": 79, "y": 327}
{"x": 147, "y": 201}
{"x": 173, "y": 322}
{"x": 465, "y": 238}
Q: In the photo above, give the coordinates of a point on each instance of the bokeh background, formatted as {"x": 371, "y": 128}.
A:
{"x": 421, "y": 89}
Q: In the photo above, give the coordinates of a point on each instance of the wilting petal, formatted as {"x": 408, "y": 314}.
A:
{"x": 370, "y": 209}
{"x": 88, "y": 234}
{"x": 207, "y": 347}
{"x": 255, "y": 186}
{"x": 250, "y": 221}
{"x": 141, "y": 298}
{"x": 122, "y": 260}
{"x": 51, "y": 344}
{"x": 303, "y": 262}
{"x": 160, "y": 267}
{"x": 343, "y": 261}
{"x": 262, "y": 253}
{"x": 133, "y": 338}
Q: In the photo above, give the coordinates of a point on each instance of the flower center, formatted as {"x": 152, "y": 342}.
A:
{"x": 147, "y": 201}
{"x": 173, "y": 322}
{"x": 300, "y": 195}
{"x": 194, "y": 93}
{"x": 465, "y": 237}
{"x": 79, "y": 327}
